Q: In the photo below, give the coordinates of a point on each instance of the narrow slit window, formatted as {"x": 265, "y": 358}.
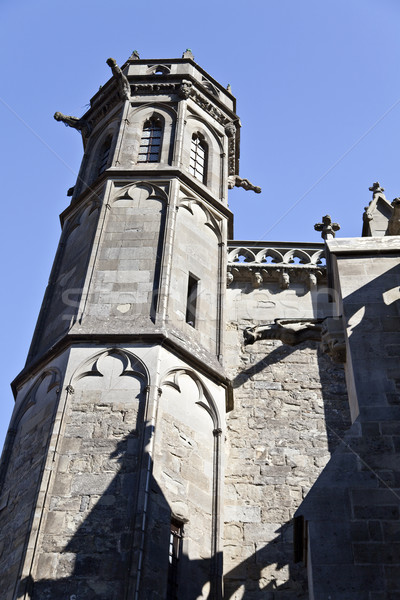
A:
{"x": 104, "y": 156}
{"x": 191, "y": 300}
{"x": 174, "y": 554}
{"x": 198, "y": 158}
{"x": 150, "y": 143}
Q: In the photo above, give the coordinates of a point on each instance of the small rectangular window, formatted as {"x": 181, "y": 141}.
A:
{"x": 174, "y": 554}
{"x": 191, "y": 300}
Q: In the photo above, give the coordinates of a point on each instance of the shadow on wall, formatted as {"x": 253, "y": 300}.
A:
{"x": 256, "y": 577}
{"x": 353, "y": 508}
{"x": 270, "y": 573}
{"x": 333, "y": 387}
{"x": 98, "y": 563}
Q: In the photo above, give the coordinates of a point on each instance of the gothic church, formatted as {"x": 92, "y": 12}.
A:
{"x": 201, "y": 418}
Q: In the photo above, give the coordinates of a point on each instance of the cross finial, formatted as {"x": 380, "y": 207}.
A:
{"x": 327, "y": 228}
{"x": 376, "y": 188}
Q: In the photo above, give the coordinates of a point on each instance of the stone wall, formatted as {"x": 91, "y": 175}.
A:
{"x": 290, "y": 410}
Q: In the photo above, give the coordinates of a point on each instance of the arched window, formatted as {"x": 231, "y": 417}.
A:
{"x": 150, "y": 144}
{"x": 104, "y": 156}
{"x": 198, "y": 157}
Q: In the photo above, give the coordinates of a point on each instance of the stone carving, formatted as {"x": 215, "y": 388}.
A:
{"x": 327, "y": 228}
{"x": 185, "y": 89}
{"x": 289, "y": 331}
{"x": 122, "y": 81}
{"x": 210, "y": 87}
{"x": 74, "y": 122}
{"x": 230, "y": 129}
{"x": 151, "y": 88}
{"x": 284, "y": 279}
{"x": 377, "y": 192}
{"x": 236, "y": 181}
{"x": 231, "y": 156}
{"x": 257, "y": 279}
{"x": 333, "y": 340}
{"x": 134, "y": 55}
{"x": 328, "y": 331}
{"x": 393, "y": 227}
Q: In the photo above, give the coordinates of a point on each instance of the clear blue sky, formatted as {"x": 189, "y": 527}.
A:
{"x": 318, "y": 91}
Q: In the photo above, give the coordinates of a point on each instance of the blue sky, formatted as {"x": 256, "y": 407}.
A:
{"x": 318, "y": 93}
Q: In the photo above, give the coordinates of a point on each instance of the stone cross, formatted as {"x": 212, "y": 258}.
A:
{"x": 376, "y": 188}
{"x": 327, "y": 228}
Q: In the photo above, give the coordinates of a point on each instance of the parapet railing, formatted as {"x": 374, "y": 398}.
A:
{"x": 284, "y": 261}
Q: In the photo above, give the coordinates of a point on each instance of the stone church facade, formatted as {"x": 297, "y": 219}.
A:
{"x": 200, "y": 417}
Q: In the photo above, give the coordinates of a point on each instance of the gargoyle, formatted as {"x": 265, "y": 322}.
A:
{"x": 329, "y": 331}
{"x": 74, "y": 122}
{"x": 289, "y": 331}
{"x": 236, "y": 181}
{"x": 124, "y": 89}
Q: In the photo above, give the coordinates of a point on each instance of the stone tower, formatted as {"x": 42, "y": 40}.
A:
{"x": 112, "y": 468}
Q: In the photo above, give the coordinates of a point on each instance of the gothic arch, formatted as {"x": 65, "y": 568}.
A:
{"x": 155, "y": 106}
{"x": 126, "y": 192}
{"x": 108, "y": 131}
{"x": 137, "y": 118}
{"x": 206, "y": 129}
{"x": 205, "y": 399}
{"x": 30, "y": 397}
{"x": 132, "y": 366}
{"x": 210, "y": 222}
{"x": 76, "y": 218}
{"x": 159, "y": 70}
{"x": 197, "y": 125}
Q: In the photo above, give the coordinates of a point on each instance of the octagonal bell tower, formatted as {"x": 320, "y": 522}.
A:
{"x": 112, "y": 467}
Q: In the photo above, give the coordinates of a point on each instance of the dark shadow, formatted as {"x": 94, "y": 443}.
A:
{"x": 252, "y": 579}
{"x": 101, "y": 556}
{"x": 352, "y": 511}
{"x": 334, "y": 392}
{"x": 273, "y": 357}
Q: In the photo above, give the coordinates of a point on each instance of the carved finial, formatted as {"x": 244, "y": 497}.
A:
{"x": 74, "y": 122}
{"x": 236, "y": 181}
{"x": 327, "y": 228}
{"x": 376, "y": 188}
{"x": 228, "y": 88}
{"x": 134, "y": 55}
{"x": 188, "y": 54}
{"x": 124, "y": 89}
{"x": 377, "y": 192}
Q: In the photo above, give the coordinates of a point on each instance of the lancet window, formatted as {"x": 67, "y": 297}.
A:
{"x": 150, "y": 143}
{"x": 198, "y": 157}
{"x": 104, "y": 156}
{"x": 174, "y": 554}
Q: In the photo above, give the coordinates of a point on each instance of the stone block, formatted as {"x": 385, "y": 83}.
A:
{"x": 55, "y": 522}
{"x": 242, "y": 514}
{"x": 376, "y": 553}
